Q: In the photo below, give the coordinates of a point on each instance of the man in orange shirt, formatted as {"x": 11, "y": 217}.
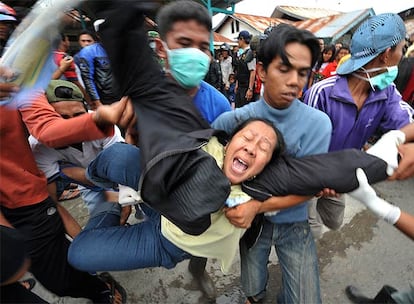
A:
{"x": 24, "y": 200}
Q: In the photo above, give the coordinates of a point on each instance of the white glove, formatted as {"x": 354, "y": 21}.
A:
{"x": 386, "y": 149}
{"x": 366, "y": 195}
{"x": 128, "y": 196}
{"x": 271, "y": 213}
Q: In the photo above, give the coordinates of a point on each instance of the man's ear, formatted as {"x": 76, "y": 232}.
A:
{"x": 385, "y": 56}
{"x": 261, "y": 72}
{"x": 160, "y": 49}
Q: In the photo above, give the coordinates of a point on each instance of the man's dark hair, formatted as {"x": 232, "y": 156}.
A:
{"x": 279, "y": 37}
{"x": 87, "y": 32}
{"x": 183, "y": 10}
{"x": 344, "y": 47}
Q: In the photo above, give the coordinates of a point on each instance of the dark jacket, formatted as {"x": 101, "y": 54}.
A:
{"x": 309, "y": 175}
{"x": 214, "y": 75}
{"x": 179, "y": 179}
{"x": 242, "y": 70}
{"x": 96, "y": 73}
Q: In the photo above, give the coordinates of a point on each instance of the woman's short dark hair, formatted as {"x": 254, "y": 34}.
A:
{"x": 281, "y": 35}
{"x": 183, "y": 10}
{"x": 280, "y": 143}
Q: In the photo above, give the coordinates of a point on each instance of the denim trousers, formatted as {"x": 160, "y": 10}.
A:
{"x": 96, "y": 203}
{"x": 106, "y": 246}
{"x": 117, "y": 164}
{"x": 94, "y": 200}
{"x": 110, "y": 247}
{"x": 296, "y": 251}
{"x": 404, "y": 296}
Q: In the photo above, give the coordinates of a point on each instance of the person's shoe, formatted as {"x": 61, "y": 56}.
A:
{"x": 114, "y": 287}
{"x": 355, "y": 295}
{"x": 196, "y": 266}
{"x": 69, "y": 194}
{"x": 384, "y": 295}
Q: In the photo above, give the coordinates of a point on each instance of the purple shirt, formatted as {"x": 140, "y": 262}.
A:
{"x": 383, "y": 110}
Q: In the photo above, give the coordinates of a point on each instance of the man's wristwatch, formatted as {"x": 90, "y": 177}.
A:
{"x": 250, "y": 89}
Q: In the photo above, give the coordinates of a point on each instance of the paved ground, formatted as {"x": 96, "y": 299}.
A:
{"x": 365, "y": 252}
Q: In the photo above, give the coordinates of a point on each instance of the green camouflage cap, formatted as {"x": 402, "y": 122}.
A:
{"x": 63, "y": 90}
{"x": 153, "y": 34}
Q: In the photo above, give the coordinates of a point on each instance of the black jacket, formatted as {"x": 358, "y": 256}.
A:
{"x": 179, "y": 179}
{"x": 214, "y": 75}
{"x": 308, "y": 176}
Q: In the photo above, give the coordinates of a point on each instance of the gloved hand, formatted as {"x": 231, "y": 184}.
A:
{"x": 128, "y": 196}
{"x": 386, "y": 149}
{"x": 367, "y": 196}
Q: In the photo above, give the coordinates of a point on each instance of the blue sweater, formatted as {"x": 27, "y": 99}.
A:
{"x": 307, "y": 131}
{"x": 210, "y": 102}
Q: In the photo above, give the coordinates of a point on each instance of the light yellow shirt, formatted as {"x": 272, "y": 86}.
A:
{"x": 221, "y": 240}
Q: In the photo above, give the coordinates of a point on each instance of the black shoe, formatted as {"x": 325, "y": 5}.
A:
{"x": 196, "y": 266}
{"x": 355, "y": 295}
{"x": 384, "y": 295}
{"x": 113, "y": 286}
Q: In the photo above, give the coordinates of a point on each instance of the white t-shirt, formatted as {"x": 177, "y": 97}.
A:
{"x": 47, "y": 158}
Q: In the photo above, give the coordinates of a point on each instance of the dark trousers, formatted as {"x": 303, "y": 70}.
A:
{"x": 240, "y": 97}
{"x": 16, "y": 293}
{"x": 47, "y": 246}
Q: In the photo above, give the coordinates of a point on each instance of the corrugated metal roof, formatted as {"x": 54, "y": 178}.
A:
{"x": 331, "y": 27}
{"x": 335, "y": 26}
{"x": 223, "y": 4}
{"x": 220, "y": 38}
{"x": 302, "y": 13}
{"x": 260, "y": 23}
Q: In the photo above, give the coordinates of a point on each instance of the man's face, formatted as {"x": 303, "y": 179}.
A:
{"x": 65, "y": 44}
{"x": 6, "y": 28}
{"x": 85, "y": 40}
{"x": 321, "y": 44}
{"x": 387, "y": 59}
{"x": 341, "y": 53}
{"x": 69, "y": 109}
{"x": 240, "y": 42}
{"x": 283, "y": 83}
{"x": 185, "y": 34}
{"x": 397, "y": 54}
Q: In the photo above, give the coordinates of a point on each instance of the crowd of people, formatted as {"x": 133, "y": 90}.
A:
{"x": 211, "y": 156}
